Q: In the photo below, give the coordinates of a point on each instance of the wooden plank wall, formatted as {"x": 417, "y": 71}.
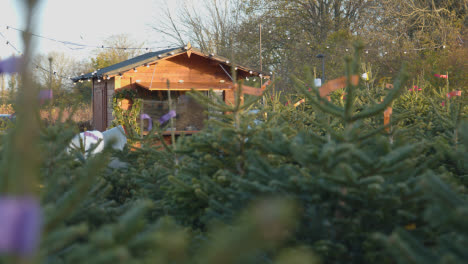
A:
{"x": 98, "y": 105}
{"x": 193, "y": 69}
{"x": 110, "y": 93}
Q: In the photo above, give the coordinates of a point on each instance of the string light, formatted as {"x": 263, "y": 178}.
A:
{"x": 68, "y": 44}
{"x": 36, "y": 66}
{"x": 74, "y": 46}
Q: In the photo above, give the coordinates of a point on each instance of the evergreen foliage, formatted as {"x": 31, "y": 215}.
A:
{"x": 323, "y": 182}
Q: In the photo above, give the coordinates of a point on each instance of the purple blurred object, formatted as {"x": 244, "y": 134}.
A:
{"x": 10, "y": 65}
{"x": 150, "y": 120}
{"x": 45, "y": 94}
{"x": 167, "y": 116}
{"x": 91, "y": 135}
{"x": 20, "y": 223}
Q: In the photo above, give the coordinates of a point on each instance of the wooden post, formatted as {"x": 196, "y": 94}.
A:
{"x": 170, "y": 109}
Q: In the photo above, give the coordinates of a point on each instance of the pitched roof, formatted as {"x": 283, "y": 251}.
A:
{"x": 151, "y": 57}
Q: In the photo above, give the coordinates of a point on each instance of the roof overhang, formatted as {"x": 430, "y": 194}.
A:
{"x": 185, "y": 86}
{"x": 153, "y": 57}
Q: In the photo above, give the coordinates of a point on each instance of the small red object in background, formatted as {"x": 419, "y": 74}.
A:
{"x": 443, "y": 76}
{"x": 453, "y": 93}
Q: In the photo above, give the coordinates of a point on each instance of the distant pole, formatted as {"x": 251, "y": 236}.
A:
{"x": 50, "y": 79}
{"x": 261, "y": 63}
{"x": 322, "y": 56}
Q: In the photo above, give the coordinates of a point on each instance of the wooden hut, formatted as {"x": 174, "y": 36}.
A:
{"x": 185, "y": 68}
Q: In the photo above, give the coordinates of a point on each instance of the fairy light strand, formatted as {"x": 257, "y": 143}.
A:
{"x": 37, "y": 66}
{"x": 76, "y": 46}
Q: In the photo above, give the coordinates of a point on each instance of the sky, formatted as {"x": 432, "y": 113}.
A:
{"x": 83, "y": 21}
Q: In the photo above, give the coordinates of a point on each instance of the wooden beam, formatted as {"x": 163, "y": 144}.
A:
{"x": 337, "y": 84}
